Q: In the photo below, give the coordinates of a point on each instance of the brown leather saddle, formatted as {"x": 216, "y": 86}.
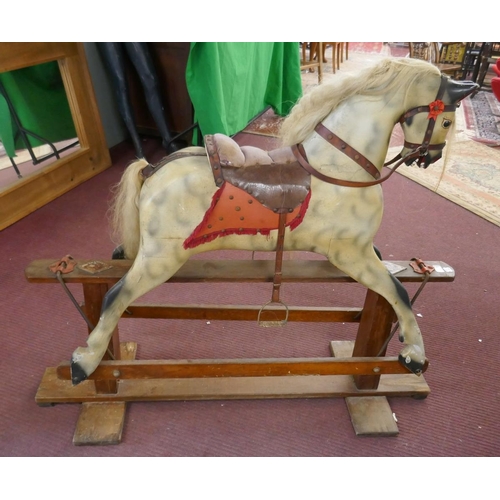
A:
{"x": 275, "y": 178}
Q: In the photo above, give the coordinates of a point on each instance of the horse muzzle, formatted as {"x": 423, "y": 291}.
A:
{"x": 428, "y": 159}
{"x": 424, "y": 156}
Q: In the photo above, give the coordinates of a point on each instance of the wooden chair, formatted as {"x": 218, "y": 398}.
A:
{"x": 338, "y": 49}
{"x": 451, "y": 58}
{"x": 336, "y": 54}
{"x": 314, "y": 51}
{"x": 314, "y": 61}
{"x": 489, "y": 55}
{"x": 448, "y": 59}
{"x": 472, "y": 60}
{"x": 425, "y": 51}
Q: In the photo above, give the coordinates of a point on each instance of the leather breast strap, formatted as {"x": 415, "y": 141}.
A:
{"x": 337, "y": 142}
{"x": 301, "y": 157}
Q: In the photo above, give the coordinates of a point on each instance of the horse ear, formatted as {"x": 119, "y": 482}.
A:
{"x": 458, "y": 90}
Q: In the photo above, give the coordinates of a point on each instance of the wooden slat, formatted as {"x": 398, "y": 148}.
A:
{"x": 39, "y": 188}
{"x": 207, "y": 368}
{"x": 16, "y": 55}
{"x": 243, "y": 313}
{"x": 53, "y": 390}
{"x": 230, "y": 271}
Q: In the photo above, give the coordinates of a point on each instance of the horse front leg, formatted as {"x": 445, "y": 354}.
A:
{"x": 145, "y": 274}
{"x": 363, "y": 265}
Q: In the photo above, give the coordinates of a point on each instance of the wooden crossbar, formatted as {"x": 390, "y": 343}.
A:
{"x": 202, "y": 368}
{"x": 231, "y": 271}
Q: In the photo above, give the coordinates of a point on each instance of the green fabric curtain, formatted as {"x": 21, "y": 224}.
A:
{"x": 39, "y": 99}
{"x": 230, "y": 83}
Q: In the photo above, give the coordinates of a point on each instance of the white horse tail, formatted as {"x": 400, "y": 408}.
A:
{"x": 125, "y": 208}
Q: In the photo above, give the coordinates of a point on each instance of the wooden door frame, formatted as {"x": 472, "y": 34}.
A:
{"x": 39, "y": 188}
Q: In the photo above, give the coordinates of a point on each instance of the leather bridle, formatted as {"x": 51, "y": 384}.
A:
{"x": 418, "y": 151}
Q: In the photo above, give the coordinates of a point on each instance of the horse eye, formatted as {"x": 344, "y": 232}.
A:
{"x": 446, "y": 123}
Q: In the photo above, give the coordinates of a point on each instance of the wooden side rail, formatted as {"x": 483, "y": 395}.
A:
{"x": 225, "y": 271}
{"x": 230, "y": 271}
{"x": 356, "y": 369}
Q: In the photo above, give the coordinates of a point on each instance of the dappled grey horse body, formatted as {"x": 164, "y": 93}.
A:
{"x": 170, "y": 215}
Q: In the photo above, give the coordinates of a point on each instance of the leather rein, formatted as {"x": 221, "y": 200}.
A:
{"x": 418, "y": 150}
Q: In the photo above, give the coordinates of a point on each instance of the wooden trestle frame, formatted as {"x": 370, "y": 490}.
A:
{"x": 355, "y": 371}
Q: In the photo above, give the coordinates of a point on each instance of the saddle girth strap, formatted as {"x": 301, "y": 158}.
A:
{"x": 337, "y": 142}
{"x": 277, "y": 278}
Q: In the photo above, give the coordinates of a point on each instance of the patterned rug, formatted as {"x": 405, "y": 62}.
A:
{"x": 470, "y": 177}
{"x": 469, "y": 172}
{"x": 482, "y": 118}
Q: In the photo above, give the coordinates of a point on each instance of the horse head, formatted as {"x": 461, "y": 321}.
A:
{"x": 426, "y": 126}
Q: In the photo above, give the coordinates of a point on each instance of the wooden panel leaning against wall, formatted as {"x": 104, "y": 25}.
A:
{"x": 33, "y": 191}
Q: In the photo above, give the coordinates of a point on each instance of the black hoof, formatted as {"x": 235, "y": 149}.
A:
{"x": 413, "y": 366}
{"x": 77, "y": 373}
{"x": 118, "y": 253}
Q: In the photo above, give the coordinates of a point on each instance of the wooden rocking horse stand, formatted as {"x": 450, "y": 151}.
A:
{"x": 357, "y": 371}
{"x": 324, "y": 187}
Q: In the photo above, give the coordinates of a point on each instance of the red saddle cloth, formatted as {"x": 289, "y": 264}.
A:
{"x": 234, "y": 211}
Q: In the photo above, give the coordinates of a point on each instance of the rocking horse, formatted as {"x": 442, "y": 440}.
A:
{"x": 320, "y": 192}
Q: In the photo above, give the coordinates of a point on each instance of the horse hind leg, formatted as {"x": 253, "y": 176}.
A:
{"x": 145, "y": 274}
{"x": 363, "y": 265}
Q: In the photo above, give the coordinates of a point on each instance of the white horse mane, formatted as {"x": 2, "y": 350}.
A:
{"x": 317, "y": 104}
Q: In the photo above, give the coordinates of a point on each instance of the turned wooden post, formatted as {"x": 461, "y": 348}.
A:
{"x": 374, "y": 328}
